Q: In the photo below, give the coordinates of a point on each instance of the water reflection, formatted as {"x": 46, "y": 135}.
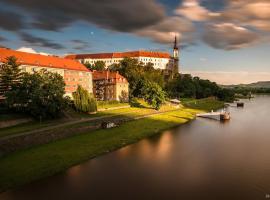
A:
{"x": 204, "y": 159}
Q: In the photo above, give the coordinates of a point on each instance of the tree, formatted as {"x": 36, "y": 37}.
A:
{"x": 40, "y": 94}
{"x": 10, "y": 75}
{"x": 137, "y": 74}
{"x": 84, "y": 101}
{"x": 226, "y": 95}
{"x": 98, "y": 66}
{"x": 153, "y": 94}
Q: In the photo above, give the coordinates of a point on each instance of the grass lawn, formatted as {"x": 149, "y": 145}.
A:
{"x": 32, "y": 164}
{"x": 108, "y": 104}
{"x": 29, "y": 126}
{"x": 207, "y": 104}
{"x": 125, "y": 112}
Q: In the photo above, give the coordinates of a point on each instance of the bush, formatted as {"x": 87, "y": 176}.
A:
{"x": 84, "y": 101}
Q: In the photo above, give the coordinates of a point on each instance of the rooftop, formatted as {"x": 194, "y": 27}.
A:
{"x": 41, "y": 60}
{"x": 100, "y": 75}
{"x": 120, "y": 55}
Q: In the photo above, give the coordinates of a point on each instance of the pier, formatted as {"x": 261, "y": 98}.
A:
{"x": 220, "y": 116}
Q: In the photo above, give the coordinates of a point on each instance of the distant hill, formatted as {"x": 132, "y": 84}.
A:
{"x": 260, "y": 84}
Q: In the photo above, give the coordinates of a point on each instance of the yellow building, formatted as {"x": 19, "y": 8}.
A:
{"x": 109, "y": 86}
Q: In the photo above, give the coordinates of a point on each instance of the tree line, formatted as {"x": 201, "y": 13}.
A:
{"x": 154, "y": 85}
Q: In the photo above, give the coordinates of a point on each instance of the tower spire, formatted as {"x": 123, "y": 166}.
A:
{"x": 175, "y": 42}
{"x": 175, "y": 56}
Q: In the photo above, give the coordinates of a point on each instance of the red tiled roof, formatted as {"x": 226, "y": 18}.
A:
{"x": 99, "y": 75}
{"x": 41, "y": 60}
{"x": 120, "y": 55}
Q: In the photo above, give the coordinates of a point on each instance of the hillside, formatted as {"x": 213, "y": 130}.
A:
{"x": 260, "y": 84}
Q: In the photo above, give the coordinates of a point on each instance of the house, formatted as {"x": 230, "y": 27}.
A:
{"x": 109, "y": 86}
{"x": 73, "y": 72}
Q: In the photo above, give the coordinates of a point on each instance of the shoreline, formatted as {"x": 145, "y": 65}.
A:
{"x": 43, "y": 161}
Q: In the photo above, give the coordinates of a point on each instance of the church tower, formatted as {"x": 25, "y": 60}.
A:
{"x": 175, "y": 56}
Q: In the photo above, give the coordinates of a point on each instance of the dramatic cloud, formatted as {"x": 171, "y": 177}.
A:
{"x": 10, "y": 21}
{"x": 165, "y": 31}
{"x": 254, "y": 13}
{"x": 41, "y": 42}
{"x": 229, "y": 36}
{"x": 227, "y": 24}
{"x": 119, "y": 15}
{"x": 228, "y": 78}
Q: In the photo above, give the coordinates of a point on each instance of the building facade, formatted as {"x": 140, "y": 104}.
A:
{"x": 160, "y": 60}
{"x": 73, "y": 72}
{"x": 110, "y": 86}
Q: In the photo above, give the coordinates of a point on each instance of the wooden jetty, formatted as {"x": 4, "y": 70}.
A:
{"x": 221, "y": 116}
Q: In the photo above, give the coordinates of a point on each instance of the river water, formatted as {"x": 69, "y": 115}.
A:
{"x": 204, "y": 159}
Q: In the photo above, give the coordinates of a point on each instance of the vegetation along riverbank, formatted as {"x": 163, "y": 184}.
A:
{"x": 45, "y": 160}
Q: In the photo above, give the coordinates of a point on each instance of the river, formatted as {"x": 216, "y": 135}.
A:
{"x": 204, "y": 159}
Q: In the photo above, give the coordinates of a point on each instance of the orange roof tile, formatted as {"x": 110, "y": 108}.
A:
{"x": 120, "y": 55}
{"x": 41, "y": 60}
{"x": 99, "y": 75}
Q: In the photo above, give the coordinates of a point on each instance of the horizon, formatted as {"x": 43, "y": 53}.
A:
{"x": 226, "y": 42}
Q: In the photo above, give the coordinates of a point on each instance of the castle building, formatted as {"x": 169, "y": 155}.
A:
{"x": 110, "y": 86}
{"x": 160, "y": 60}
{"x": 73, "y": 72}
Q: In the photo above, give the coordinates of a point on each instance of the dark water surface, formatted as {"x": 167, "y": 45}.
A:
{"x": 204, "y": 159}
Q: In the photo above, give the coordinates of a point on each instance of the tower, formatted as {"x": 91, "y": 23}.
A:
{"x": 175, "y": 56}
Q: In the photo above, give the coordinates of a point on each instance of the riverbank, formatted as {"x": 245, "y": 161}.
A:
{"x": 38, "y": 162}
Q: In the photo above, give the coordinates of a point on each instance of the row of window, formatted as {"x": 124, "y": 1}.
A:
{"x": 118, "y": 60}
{"x": 73, "y": 79}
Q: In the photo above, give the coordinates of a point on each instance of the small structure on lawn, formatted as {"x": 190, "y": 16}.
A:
{"x": 175, "y": 102}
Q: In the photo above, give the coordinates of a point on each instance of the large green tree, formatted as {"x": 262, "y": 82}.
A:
{"x": 40, "y": 94}
{"x": 10, "y": 75}
{"x": 137, "y": 74}
{"x": 153, "y": 94}
{"x": 84, "y": 101}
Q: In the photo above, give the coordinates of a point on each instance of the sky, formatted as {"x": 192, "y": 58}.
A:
{"x": 226, "y": 41}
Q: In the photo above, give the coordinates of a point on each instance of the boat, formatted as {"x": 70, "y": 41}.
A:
{"x": 240, "y": 104}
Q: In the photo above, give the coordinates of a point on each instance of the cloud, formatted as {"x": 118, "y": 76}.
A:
{"x": 229, "y": 36}
{"x": 118, "y": 15}
{"x": 192, "y": 10}
{"x": 80, "y": 44}
{"x": 165, "y": 30}
{"x": 228, "y": 78}
{"x": 255, "y": 13}
{"x": 41, "y": 42}
{"x": 10, "y": 21}
{"x": 31, "y": 50}
{"x": 249, "y": 20}
{"x": 2, "y": 39}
